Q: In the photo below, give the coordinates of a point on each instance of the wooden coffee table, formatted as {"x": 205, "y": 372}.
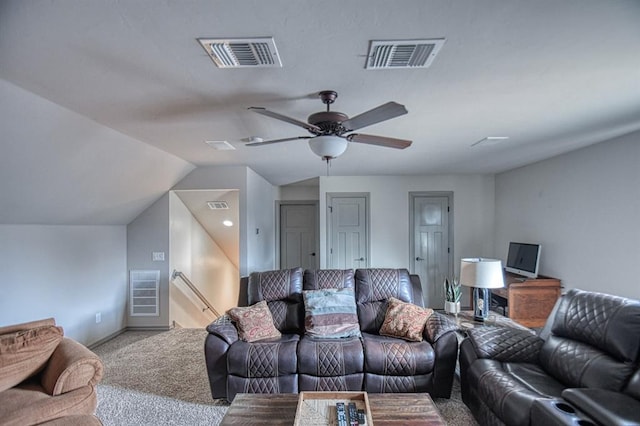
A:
{"x": 410, "y": 409}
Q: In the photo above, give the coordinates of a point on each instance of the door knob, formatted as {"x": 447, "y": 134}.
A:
{"x": 419, "y": 259}
{"x": 359, "y": 260}
{"x": 313, "y": 254}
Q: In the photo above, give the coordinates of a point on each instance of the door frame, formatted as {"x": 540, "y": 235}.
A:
{"x": 412, "y": 231}
{"x": 367, "y": 205}
{"x": 280, "y": 203}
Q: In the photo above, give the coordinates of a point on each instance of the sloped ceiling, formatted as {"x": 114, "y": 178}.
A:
{"x": 109, "y": 102}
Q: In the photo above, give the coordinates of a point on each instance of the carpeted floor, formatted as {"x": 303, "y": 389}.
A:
{"x": 159, "y": 378}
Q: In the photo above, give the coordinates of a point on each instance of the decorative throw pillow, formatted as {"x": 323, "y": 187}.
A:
{"x": 254, "y": 322}
{"x": 404, "y": 320}
{"x": 331, "y": 313}
{"x": 24, "y": 353}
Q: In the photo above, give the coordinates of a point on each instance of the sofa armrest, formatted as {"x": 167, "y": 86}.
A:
{"x": 438, "y": 325}
{"x": 604, "y": 406}
{"x": 505, "y": 344}
{"x": 71, "y": 366}
{"x": 224, "y": 328}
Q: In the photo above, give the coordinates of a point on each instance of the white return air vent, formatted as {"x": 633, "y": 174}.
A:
{"x": 218, "y": 205}
{"x": 242, "y": 52}
{"x": 388, "y": 54}
{"x": 143, "y": 293}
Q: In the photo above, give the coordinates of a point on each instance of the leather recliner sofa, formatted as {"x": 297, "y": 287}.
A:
{"x": 297, "y": 362}
{"x": 581, "y": 369}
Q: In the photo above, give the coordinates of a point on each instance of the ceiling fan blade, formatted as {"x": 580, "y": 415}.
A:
{"x": 277, "y": 140}
{"x": 264, "y": 111}
{"x": 376, "y": 115}
{"x": 379, "y": 140}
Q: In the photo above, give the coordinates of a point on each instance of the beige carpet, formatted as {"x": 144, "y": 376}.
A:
{"x": 160, "y": 378}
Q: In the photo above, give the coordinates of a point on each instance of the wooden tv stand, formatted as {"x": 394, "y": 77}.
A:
{"x": 529, "y": 301}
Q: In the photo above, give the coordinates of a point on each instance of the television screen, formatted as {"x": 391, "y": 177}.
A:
{"x": 523, "y": 259}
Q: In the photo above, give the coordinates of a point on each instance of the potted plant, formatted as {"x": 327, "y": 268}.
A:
{"x": 452, "y": 294}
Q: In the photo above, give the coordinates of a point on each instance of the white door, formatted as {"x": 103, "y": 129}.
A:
{"x": 298, "y": 241}
{"x": 348, "y": 244}
{"x": 431, "y": 246}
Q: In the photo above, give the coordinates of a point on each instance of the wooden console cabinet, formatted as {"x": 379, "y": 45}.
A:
{"x": 529, "y": 301}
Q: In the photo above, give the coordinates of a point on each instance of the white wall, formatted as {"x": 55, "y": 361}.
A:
{"x": 257, "y": 206}
{"x": 298, "y": 193}
{"x": 261, "y": 233}
{"x": 66, "y": 272}
{"x": 473, "y": 207}
{"x": 584, "y": 208}
{"x": 197, "y": 255}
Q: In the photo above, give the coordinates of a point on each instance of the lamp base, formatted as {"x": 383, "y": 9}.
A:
{"x": 481, "y": 303}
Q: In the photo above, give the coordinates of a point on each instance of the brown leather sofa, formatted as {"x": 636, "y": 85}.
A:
{"x": 297, "y": 362}
{"x": 581, "y": 369}
{"x": 46, "y": 378}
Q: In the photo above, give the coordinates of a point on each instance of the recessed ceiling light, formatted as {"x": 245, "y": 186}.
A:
{"x": 220, "y": 145}
{"x": 490, "y": 140}
{"x": 227, "y": 223}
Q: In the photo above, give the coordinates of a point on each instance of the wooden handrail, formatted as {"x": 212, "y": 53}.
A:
{"x": 193, "y": 288}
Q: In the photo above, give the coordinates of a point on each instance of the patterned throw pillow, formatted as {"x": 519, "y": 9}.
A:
{"x": 254, "y": 322}
{"x": 331, "y": 313}
{"x": 404, "y": 320}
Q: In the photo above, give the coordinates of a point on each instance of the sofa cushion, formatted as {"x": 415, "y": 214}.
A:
{"x": 404, "y": 320}
{"x": 254, "y": 322}
{"x": 577, "y": 365}
{"x": 318, "y": 279}
{"x": 24, "y": 353}
{"x": 374, "y": 287}
{"x": 29, "y": 404}
{"x": 331, "y": 313}
{"x": 395, "y": 357}
{"x": 600, "y": 320}
{"x": 282, "y": 290}
{"x": 267, "y": 358}
{"x": 330, "y": 357}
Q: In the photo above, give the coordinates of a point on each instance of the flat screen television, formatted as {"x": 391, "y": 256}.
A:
{"x": 523, "y": 259}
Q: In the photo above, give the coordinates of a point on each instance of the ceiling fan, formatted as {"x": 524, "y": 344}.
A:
{"x": 331, "y": 129}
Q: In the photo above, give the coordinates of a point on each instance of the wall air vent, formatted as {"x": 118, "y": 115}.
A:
{"x": 389, "y": 54}
{"x": 242, "y": 52}
{"x": 218, "y": 205}
{"x": 143, "y": 293}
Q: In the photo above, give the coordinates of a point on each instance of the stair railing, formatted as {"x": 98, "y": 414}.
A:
{"x": 194, "y": 289}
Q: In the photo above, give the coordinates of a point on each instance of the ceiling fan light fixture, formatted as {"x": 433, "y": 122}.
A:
{"x": 328, "y": 147}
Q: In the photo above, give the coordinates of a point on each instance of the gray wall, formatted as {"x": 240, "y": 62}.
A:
{"x": 66, "y": 272}
{"x": 149, "y": 233}
{"x": 584, "y": 208}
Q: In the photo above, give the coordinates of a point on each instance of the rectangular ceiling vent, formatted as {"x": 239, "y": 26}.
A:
{"x": 220, "y": 145}
{"x": 242, "y": 52}
{"x": 388, "y": 54}
{"x": 218, "y": 205}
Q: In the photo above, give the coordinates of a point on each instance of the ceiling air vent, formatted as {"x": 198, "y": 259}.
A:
{"x": 242, "y": 52}
{"x": 218, "y": 205}
{"x": 388, "y": 54}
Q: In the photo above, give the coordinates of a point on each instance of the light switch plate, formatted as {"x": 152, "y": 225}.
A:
{"x": 158, "y": 256}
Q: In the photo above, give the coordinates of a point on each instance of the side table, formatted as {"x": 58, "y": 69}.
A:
{"x": 465, "y": 321}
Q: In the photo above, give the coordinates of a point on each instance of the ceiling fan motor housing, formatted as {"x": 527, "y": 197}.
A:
{"x": 329, "y": 121}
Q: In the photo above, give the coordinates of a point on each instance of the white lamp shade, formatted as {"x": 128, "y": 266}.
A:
{"x": 481, "y": 273}
{"x": 328, "y": 147}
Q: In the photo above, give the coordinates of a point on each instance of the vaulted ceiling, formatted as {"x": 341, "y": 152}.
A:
{"x": 122, "y": 92}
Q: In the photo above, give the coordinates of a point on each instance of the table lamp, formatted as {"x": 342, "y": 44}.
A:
{"x": 481, "y": 274}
